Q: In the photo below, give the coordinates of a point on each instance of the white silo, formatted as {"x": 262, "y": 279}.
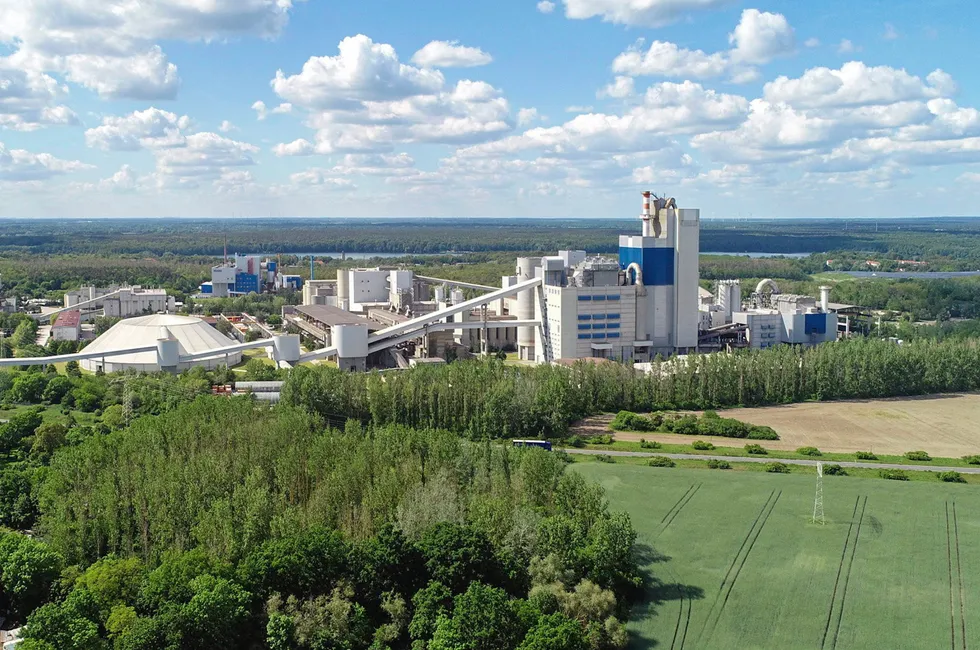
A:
{"x": 525, "y": 307}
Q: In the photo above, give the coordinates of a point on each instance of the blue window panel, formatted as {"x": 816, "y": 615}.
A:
{"x": 616, "y": 297}
{"x": 585, "y": 327}
{"x": 581, "y": 298}
{"x": 657, "y": 264}
{"x": 598, "y": 336}
{"x": 597, "y": 298}
{"x": 585, "y": 316}
{"x": 815, "y": 323}
{"x": 612, "y": 326}
{"x": 585, "y": 336}
{"x": 600, "y": 326}
{"x": 612, "y": 316}
{"x": 613, "y": 335}
{"x": 598, "y": 317}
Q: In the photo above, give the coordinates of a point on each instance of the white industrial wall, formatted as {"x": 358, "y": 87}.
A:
{"x": 564, "y": 308}
{"x": 367, "y": 286}
{"x": 686, "y": 277}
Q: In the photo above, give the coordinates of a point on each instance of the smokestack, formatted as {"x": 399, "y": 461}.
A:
{"x": 311, "y": 267}
{"x": 825, "y": 299}
{"x": 646, "y": 214}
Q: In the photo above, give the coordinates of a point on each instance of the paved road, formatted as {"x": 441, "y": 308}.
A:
{"x": 788, "y": 461}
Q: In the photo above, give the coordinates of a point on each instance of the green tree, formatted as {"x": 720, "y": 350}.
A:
{"x": 484, "y": 618}
{"x": 19, "y": 427}
{"x": 48, "y": 438}
{"x": 56, "y": 390}
{"x": 555, "y": 632}
{"x": 64, "y": 626}
{"x": 112, "y": 582}
{"x": 216, "y": 616}
{"x": 72, "y": 369}
{"x": 457, "y": 555}
{"x": 114, "y": 417}
{"x": 29, "y": 388}
{"x": 29, "y": 569}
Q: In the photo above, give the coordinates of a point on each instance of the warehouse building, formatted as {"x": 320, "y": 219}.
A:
{"x": 122, "y": 302}
{"x": 68, "y": 326}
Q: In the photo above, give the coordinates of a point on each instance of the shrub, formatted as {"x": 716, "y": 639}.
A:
{"x": 714, "y": 463}
{"x": 893, "y": 474}
{"x": 661, "y": 461}
{"x": 834, "y": 470}
{"x": 917, "y": 455}
{"x": 602, "y": 458}
{"x": 629, "y": 421}
{"x": 649, "y": 444}
{"x": 865, "y": 455}
{"x": 809, "y": 451}
{"x": 711, "y": 415}
{"x": 701, "y": 445}
{"x": 576, "y": 442}
{"x": 687, "y": 425}
{"x": 777, "y": 468}
{"x": 756, "y": 450}
{"x": 972, "y": 460}
{"x": 604, "y": 439}
{"x": 951, "y": 477}
{"x": 762, "y": 433}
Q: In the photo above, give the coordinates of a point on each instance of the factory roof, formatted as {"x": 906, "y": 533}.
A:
{"x": 331, "y": 316}
{"x": 193, "y": 335}
{"x": 68, "y": 319}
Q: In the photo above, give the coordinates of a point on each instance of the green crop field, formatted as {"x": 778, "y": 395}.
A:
{"x": 738, "y": 564}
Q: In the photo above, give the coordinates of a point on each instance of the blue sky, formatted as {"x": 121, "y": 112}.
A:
{"x": 505, "y": 108}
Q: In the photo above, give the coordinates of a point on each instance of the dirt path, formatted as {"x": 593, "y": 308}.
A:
{"x": 943, "y": 425}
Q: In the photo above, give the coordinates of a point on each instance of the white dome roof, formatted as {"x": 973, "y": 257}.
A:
{"x": 193, "y": 336}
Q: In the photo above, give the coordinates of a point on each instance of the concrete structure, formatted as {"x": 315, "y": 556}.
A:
{"x": 122, "y": 302}
{"x": 635, "y": 307}
{"x": 246, "y": 274}
{"x": 168, "y": 338}
{"x": 320, "y": 292}
{"x": 67, "y": 327}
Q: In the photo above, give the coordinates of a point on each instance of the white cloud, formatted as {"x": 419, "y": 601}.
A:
{"x": 19, "y": 166}
{"x": 28, "y": 101}
{"x": 262, "y": 111}
{"x": 227, "y": 127}
{"x": 645, "y": 13}
{"x": 526, "y": 116}
{"x": 450, "y": 54}
{"x": 813, "y": 41}
{"x": 757, "y": 39}
{"x": 149, "y": 129}
{"x": 578, "y": 109}
{"x": 204, "y": 156}
{"x": 364, "y": 99}
{"x": 890, "y": 32}
{"x": 760, "y": 37}
{"x": 855, "y": 84}
{"x": 846, "y": 47}
{"x": 110, "y": 45}
{"x": 620, "y": 88}
{"x": 320, "y": 178}
{"x": 299, "y": 147}
{"x": 546, "y": 6}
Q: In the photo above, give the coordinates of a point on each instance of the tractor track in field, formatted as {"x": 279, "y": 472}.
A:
{"x": 676, "y": 503}
{"x": 957, "y": 594}
{"x": 721, "y": 598}
{"x": 840, "y": 570}
{"x": 683, "y": 621}
{"x": 847, "y": 577}
{"x": 676, "y": 510}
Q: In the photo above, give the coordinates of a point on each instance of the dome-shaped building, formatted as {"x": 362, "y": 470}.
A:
{"x": 192, "y": 335}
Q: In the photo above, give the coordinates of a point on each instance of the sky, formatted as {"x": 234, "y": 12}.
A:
{"x": 502, "y": 108}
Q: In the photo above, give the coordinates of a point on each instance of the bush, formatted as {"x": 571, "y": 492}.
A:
{"x": 865, "y": 455}
{"x": 762, "y": 433}
{"x": 710, "y": 415}
{"x": 661, "y": 461}
{"x": 777, "y": 468}
{"x": 649, "y": 444}
{"x": 809, "y": 451}
{"x": 687, "y": 425}
{"x": 575, "y": 441}
{"x": 701, "y": 445}
{"x": 951, "y": 477}
{"x": 604, "y": 439}
{"x": 834, "y": 470}
{"x": 605, "y": 459}
{"x": 756, "y": 450}
{"x": 972, "y": 460}
{"x": 714, "y": 463}
{"x": 918, "y": 455}
{"x": 629, "y": 421}
{"x": 893, "y": 474}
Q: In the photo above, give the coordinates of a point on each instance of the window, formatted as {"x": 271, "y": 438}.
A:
{"x": 613, "y": 335}
{"x": 585, "y": 327}
{"x": 585, "y": 316}
{"x": 612, "y": 326}
{"x": 612, "y": 297}
{"x": 598, "y": 336}
{"x": 584, "y": 336}
{"x": 598, "y": 297}
{"x": 600, "y": 326}
{"x": 612, "y": 316}
{"x": 581, "y": 298}
{"x": 598, "y": 317}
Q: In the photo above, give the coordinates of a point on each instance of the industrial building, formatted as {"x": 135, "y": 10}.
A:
{"x": 246, "y": 274}
{"x": 68, "y": 326}
{"x": 185, "y": 335}
{"x": 121, "y": 302}
{"x": 768, "y": 318}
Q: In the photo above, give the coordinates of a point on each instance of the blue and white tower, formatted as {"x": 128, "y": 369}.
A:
{"x": 663, "y": 264}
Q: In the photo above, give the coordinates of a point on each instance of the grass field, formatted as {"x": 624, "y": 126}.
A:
{"x": 739, "y": 565}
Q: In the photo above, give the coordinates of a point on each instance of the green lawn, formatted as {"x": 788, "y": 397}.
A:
{"x": 49, "y": 413}
{"x": 739, "y": 564}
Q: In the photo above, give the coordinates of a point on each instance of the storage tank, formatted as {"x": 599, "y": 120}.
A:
{"x": 725, "y": 298}
{"x": 525, "y": 306}
{"x": 735, "y": 295}
{"x": 343, "y": 288}
{"x": 351, "y": 341}
{"x": 440, "y": 293}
